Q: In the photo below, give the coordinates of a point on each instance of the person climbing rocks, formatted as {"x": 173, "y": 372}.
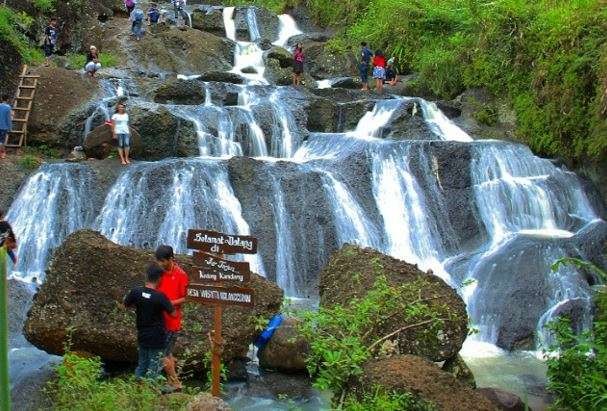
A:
{"x": 391, "y": 74}
{"x": 137, "y": 17}
{"x": 130, "y": 6}
{"x": 298, "y": 64}
{"x": 92, "y": 62}
{"x": 122, "y": 133}
{"x": 51, "y": 33}
{"x": 379, "y": 70}
{"x": 179, "y": 6}
{"x": 6, "y": 123}
{"x": 173, "y": 284}
{"x": 153, "y": 15}
{"x": 150, "y": 306}
{"x": 363, "y": 68}
{"x": 8, "y": 240}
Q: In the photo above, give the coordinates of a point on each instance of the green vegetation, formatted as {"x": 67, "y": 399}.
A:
{"x": 45, "y": 5}
{"x": 79, "y": 387}
{"x": 578, "y": 375}
{"x": 546, "y": 59}
{"x": 77, "y": 61}
{"x": 380, "y": 400}
{"x": 29, "y": 162}
{"x": 13, "y": 25}
{"x": 343, "y": 337}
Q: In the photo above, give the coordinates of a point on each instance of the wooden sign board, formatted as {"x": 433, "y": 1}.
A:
{"x": 211, "y": 268}
{"x": 220, "y": 243}
{"x": 207, "y": 294}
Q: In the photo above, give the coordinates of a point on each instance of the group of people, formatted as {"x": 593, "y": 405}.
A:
{"x": 158, "y": 304}
{"x": 383, "y": 70}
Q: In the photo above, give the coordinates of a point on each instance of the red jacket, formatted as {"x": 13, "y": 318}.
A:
{"x": 379, "y": 61}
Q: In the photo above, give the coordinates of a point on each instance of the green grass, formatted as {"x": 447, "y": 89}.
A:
{"x": 45, "y": 6}
{"x": 29, "y": 162}
{"x": 77, "y": 61}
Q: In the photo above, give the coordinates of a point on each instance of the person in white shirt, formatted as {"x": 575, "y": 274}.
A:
{"x": 122, "y": 133}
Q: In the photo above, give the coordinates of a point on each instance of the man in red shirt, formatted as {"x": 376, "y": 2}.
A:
{"x": 173, "y": 284}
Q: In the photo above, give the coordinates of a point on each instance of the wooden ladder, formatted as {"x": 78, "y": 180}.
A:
{"x": 22, "y": 107}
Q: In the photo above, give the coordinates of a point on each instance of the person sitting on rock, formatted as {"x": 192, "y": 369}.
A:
{"x": 137, "y": 17}
{"x": 92, "y": 62}
{"x": 150, "y": 306}
{"x": 391, "y": 74}
{"x": 298, "y": 64}
{"x": 174, "y": 285}
{"x": 122, "y": 133}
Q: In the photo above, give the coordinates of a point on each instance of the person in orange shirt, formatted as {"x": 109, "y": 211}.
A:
{"x": 173, "y": 284}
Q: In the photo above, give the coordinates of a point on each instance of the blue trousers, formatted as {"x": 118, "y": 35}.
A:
{"x": 150, "y": 363}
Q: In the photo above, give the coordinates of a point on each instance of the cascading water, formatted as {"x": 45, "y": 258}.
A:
{"x": 248, "y": 57}
{"x": 110, "y": 91}
{"x": 288, "y": 29}
{"x": 440, "y": 124}
{"x": 56, "y": 201}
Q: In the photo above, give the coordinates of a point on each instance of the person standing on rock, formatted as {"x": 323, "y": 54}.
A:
{"x": 153, "y": 15}
{"x": 130, "y": 6}
{"x": 6, "y": 123}
{"x": 92, "y": 62}
{"x": 51, "y": 33}
{"x": 363, "y": 68}
{"x": 137, "y": 17}
{"x": 179, "y": 5}
{"x": 379, "y": 70}
{"x": 122, "y": 133}
{"x": 298, "y": 64}
{"x": 174, "y": 285}
{"x": 150, "y": 306}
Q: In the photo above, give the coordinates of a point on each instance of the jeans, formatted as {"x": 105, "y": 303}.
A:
{"x": 124, "y": 140}
{"x": 363, "y": 72}
{"x": 149, "y": 365}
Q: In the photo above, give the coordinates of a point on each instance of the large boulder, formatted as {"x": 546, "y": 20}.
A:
{"x": 180, "y": 92}
{"x": 423, "y": 379}
{"x": 209, "y": 20}
{"x": 503, "y": 400}
{"x": 460, "y": 370}
{"x": 284, "y": 56}
{"x": 287, "y": 349}
{"x": 186, "y": 51}
{"x": 59, "y": 93}
{"x": 221, "y": 76}
{"x": 323, "y": 63}
{"x": 9, "y": 187}
{"x": 81, "y": 302}
{"x": 438, "y": 343}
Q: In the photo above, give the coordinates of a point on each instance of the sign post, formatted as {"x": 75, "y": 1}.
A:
{"x": 212, "y": 267}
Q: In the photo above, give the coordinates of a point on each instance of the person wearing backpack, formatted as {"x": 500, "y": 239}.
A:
{"x": 51, "y": 33}
{"x": 130, "y": 6}
{"x": 137, "y": 17}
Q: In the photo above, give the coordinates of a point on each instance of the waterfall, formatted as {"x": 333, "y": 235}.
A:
{"x": 410, "y": 231}
{"x": 54, "y": 202}
{"x": 519, "y": 193}
{"x": 440, "y": 124}
{"x": 110, "y": 90}
{"x": 372, "y": 123}
{"x": 353, "y": 226}
{"x": 285, "y": 267}
{"x": 288, "y": 29}
{"x": 157, "y": 203}
{"x": 248, "y": 57}
{"x": 285, "y": 137}
{"x": 252, "y": 23}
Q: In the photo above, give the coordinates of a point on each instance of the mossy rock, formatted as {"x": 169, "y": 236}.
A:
{"x": 352, "y": 272}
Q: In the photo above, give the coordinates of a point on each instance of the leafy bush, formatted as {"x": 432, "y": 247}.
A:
{"x": 381, "y": 400}
{"x": 45, "y": 5}
{"x": 577, "y": 364}
{"x": 29, "y": 162}
{"x": 13, "y": 25}
{"x": 343, "y": 337}
{"x": 79, "y": 386}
